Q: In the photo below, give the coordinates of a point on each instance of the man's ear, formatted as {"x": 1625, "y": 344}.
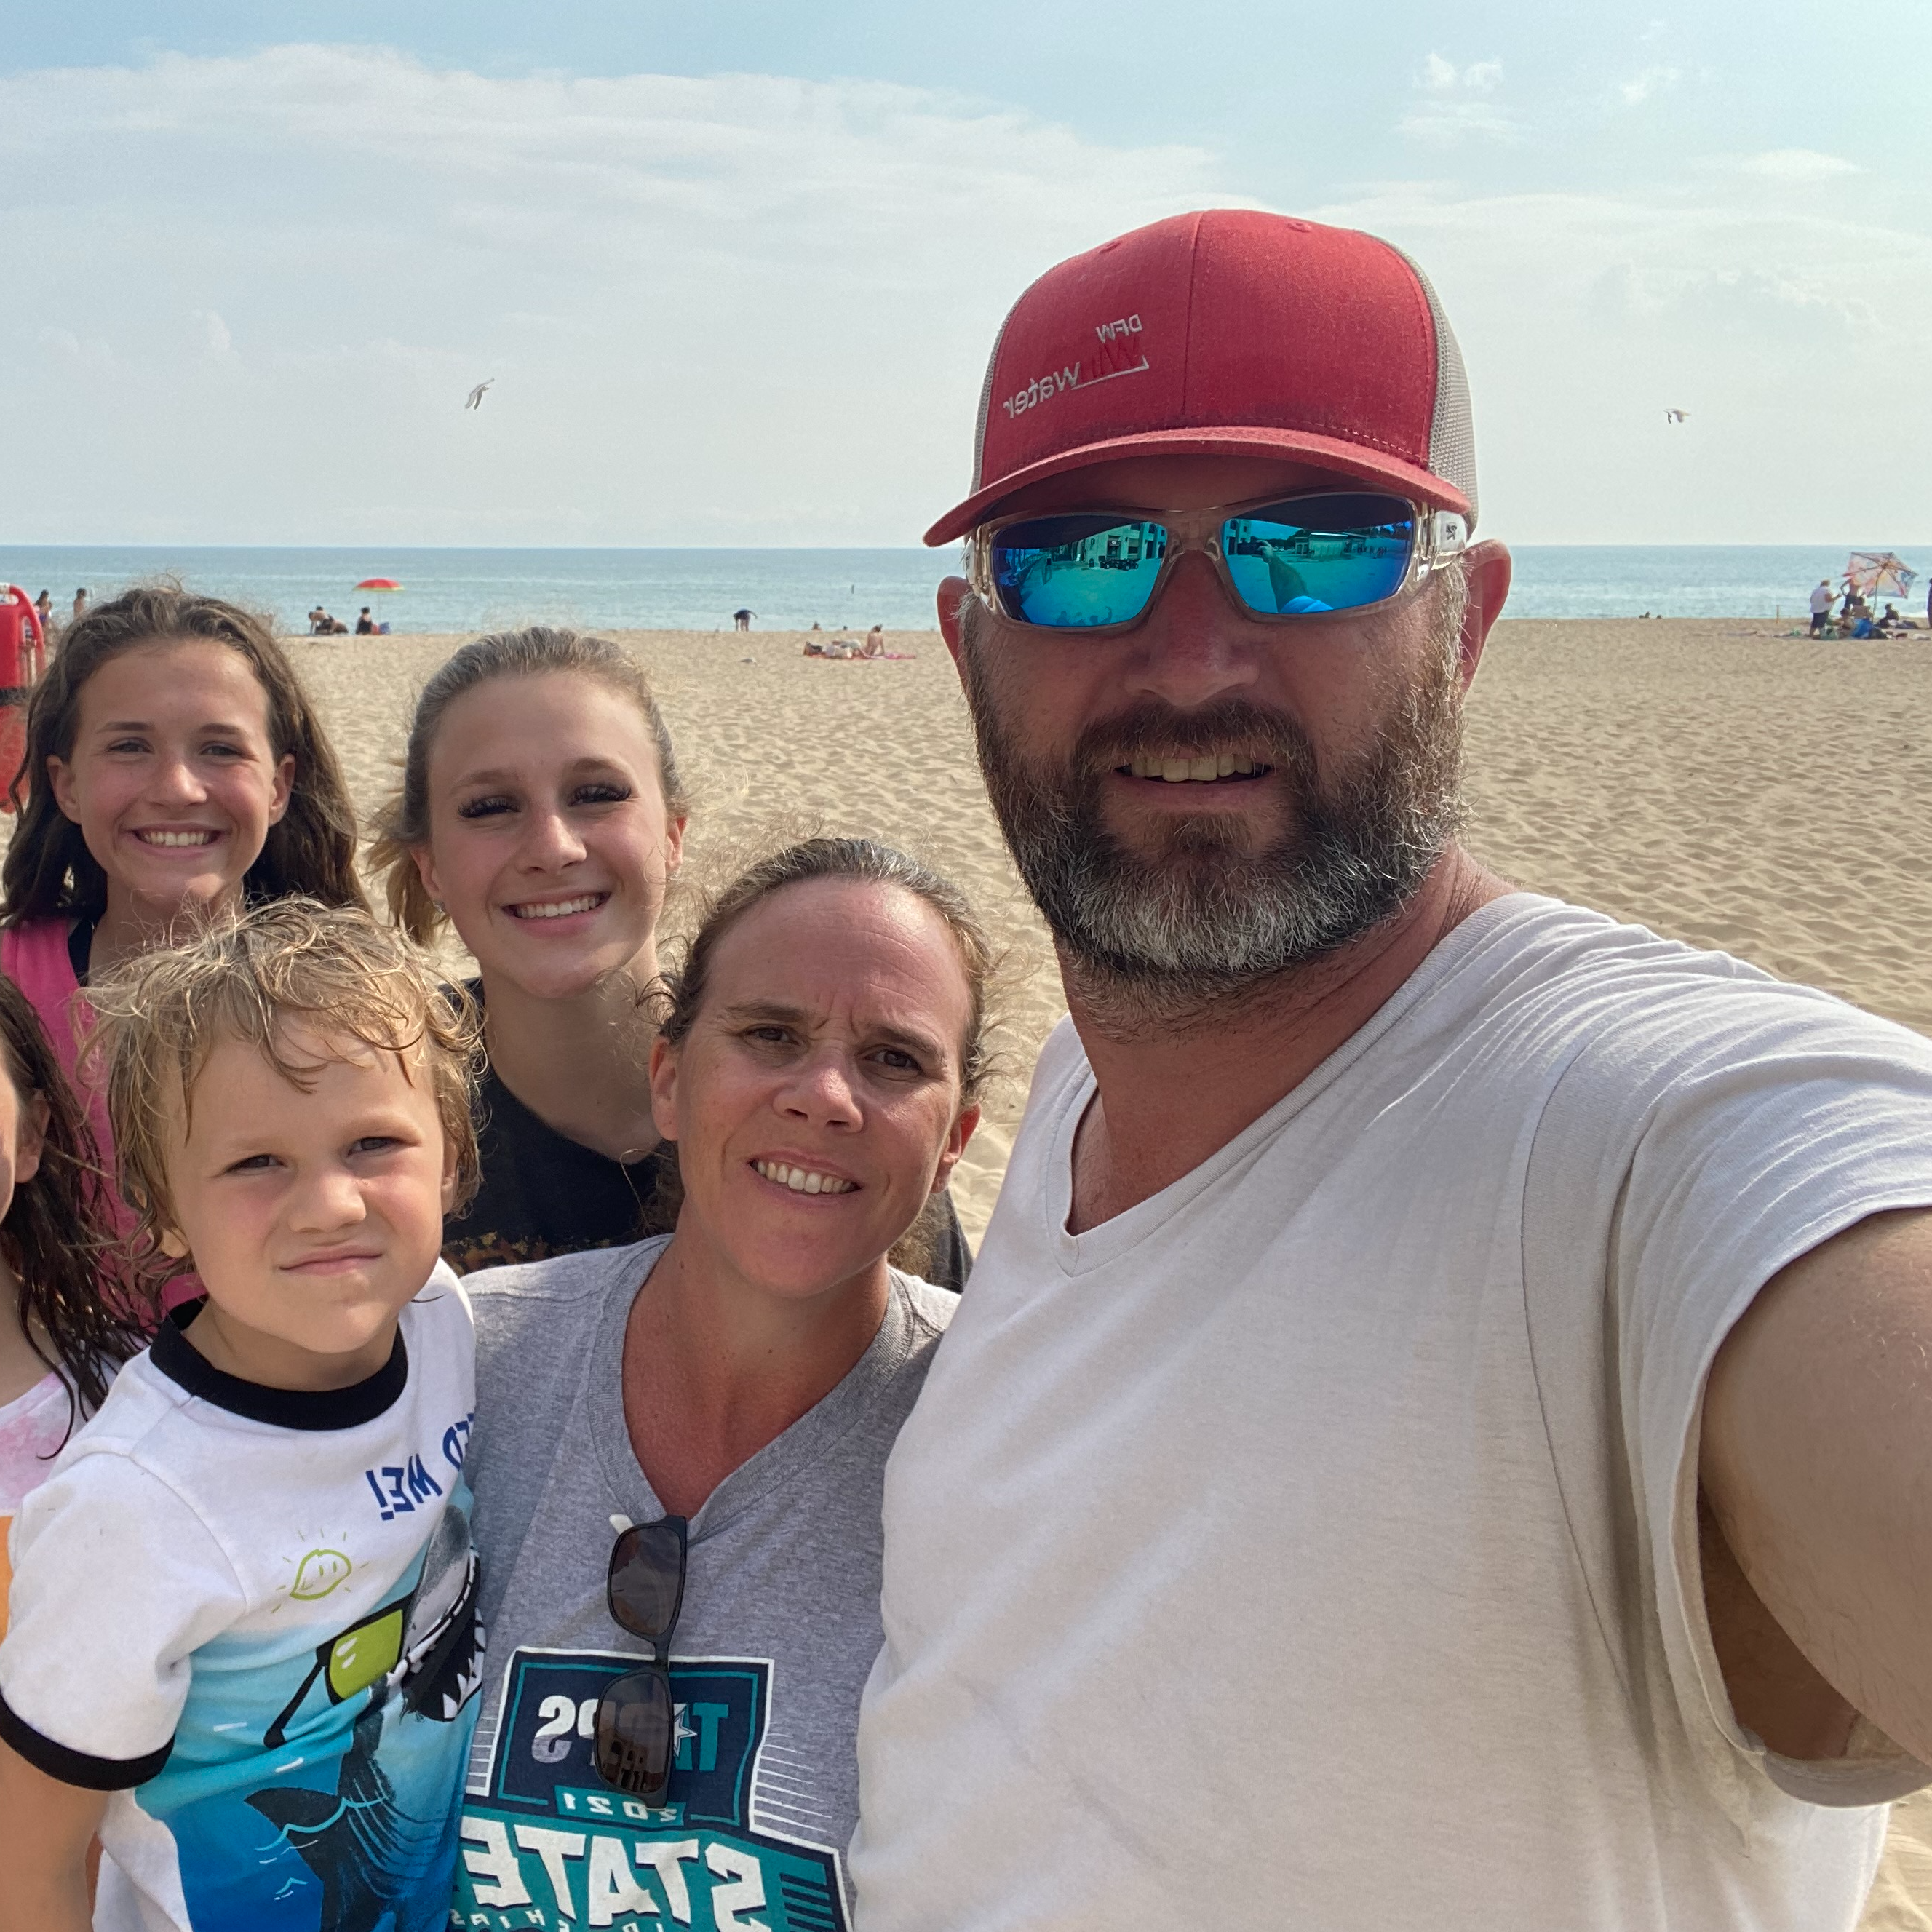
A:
{"x": 953, "y": 592}
{"x": 1485, "y": 572}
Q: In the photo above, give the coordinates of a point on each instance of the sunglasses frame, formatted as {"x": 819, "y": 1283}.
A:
{"x": 657, "y": 1666}
{"x": 1440, "y": 537}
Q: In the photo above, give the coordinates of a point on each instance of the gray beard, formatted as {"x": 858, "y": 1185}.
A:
{"x": 1177, "y": 936}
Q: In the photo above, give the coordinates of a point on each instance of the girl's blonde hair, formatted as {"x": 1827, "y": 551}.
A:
{"x": 249, "y": 977}
{"x": 402, "y": 826}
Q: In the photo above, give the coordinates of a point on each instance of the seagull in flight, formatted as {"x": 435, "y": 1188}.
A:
{"x": 475, "y": 401}
{"x": 1674, "y": 415}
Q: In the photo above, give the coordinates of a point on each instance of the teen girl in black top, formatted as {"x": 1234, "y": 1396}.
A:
{"x": 542, "y": 814}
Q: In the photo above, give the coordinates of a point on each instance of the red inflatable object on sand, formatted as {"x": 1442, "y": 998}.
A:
{"x": 23, "y": 657}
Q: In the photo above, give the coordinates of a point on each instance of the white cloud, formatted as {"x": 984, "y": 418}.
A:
{"x": 1454, "y": 106}
{"x": 750, "y": 309}
{"x": 1653, "y": 80}
{"x": 1444, "y": 124}
{"x": 1444, "y": 76}
{"x": 1583, "y": 315}
{"x": 1797, "y": 164}
{"x": 713, "y": 306}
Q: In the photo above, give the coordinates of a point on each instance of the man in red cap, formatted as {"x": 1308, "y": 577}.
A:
{"x": 1438, "y": 1433}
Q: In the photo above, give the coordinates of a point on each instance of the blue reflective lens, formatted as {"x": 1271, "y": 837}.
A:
{"x": 1067, "y": 572}
{"x": 1320, "y": 553}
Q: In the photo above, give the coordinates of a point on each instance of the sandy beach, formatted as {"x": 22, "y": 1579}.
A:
{"x": 1719, "y": 782}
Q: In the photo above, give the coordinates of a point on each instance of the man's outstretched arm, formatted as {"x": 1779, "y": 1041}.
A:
{"x": 1817, "y": 1467}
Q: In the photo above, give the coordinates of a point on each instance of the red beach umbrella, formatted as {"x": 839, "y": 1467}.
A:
{"x": 379, "y": 584}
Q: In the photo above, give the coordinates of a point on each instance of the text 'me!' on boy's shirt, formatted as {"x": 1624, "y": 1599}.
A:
{"x": 778, "y": 1626}
{"x": 249, "y": 1615}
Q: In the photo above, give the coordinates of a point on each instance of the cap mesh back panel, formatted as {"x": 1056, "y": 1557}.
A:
{"x": 986, "y": 400}
{"x": 1452, "y": 431}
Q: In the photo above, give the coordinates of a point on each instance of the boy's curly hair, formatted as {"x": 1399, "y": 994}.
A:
{"x": 249, "y": 976}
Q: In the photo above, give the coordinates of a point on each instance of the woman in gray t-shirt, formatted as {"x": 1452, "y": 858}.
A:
{"x": 818, "y": 1066}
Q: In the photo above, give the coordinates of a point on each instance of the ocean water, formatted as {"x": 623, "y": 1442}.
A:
{"x": 842, "y": 589}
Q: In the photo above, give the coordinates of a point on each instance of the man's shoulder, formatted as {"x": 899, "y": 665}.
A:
{"x": 1590, "y": 974}
{"x": 1614, "y": 1026}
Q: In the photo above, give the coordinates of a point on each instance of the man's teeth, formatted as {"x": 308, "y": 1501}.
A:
{"x": 1203, "y": 770}
{"x": 802, "y": 1180}
{"x": 559, "y": 909}
{"x": 176, "y": 837}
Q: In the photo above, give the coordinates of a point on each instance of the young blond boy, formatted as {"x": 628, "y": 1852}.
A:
{"x": 243, "y": 1646}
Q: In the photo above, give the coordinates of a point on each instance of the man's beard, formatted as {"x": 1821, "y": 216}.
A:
{"x": 1202, "y": 920}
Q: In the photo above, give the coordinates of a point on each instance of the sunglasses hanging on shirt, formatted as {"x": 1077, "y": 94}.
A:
{"x": 636, "y": 1726}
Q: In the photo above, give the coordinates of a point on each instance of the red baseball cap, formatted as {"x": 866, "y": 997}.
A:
{"x": 1227, "y": 333}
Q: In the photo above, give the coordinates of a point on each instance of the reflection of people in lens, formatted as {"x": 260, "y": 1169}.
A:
{"x": 816, "y": 1068}
{"x": 1290, "y": 590}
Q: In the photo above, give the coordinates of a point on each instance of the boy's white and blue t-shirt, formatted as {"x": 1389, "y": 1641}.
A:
{"x": 249, "y": 1614}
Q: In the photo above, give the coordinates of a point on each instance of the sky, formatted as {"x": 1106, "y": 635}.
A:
{"x": 735, "y": 268}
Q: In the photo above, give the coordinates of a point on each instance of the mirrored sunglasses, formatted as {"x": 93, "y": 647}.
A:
{"x": 1297, "y": 556}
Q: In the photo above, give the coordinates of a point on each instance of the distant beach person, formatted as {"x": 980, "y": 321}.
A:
{"x": 1821, "y": 605}
{"x": 874, "y": 646}
{"x": 742, "y": 620}
{"x": 542, "y": 814}
{"x": 695, "y": 1428}
{"x": 175, "y": 768}
{"x": 365, "y": 625}
{"x": 44, "y": 606}
{"x": 80, "y": 606}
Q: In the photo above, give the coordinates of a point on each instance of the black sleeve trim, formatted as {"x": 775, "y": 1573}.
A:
{"x": 76, "y": 1768}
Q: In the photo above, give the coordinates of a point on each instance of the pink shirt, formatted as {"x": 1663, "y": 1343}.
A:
{"x": 34, "y": 957}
